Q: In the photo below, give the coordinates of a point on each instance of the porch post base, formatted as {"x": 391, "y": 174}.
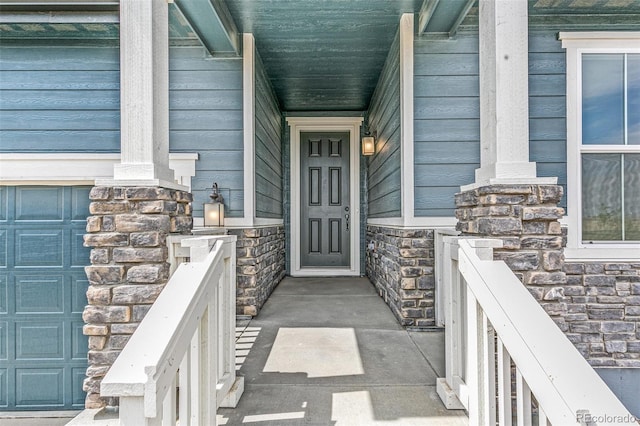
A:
{"x": 233, "y": 397}
{"x": 447, "y": 395}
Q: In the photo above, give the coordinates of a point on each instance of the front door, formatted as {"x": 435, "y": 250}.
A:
{"x": 325, "y": 213}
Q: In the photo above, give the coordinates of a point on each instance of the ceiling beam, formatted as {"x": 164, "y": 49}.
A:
{"x": 212, "y": 22}
{"x": 463, "y": 14}
{"x": 426, "y": 13}
{"x": 442, "y": 18}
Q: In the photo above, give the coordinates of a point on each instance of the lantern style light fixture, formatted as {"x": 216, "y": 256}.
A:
{"x": 368, "y": 144}
{"x": 214, "y": 211}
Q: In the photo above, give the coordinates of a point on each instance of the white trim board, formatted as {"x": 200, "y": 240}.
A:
{"x": 248, "y": 120}
{"x": 78, "y": 169}
{"x": 305, "y": 124}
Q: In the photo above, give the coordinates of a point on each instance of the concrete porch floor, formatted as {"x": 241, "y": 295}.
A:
{"x": 328, "y": 351}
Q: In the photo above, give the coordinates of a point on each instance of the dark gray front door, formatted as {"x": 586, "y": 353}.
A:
{"x": 325, "y": 213}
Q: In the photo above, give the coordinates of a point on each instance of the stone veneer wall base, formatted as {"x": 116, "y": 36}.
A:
{"x": 260, "y": 258}
{"x": 401, "y": 266}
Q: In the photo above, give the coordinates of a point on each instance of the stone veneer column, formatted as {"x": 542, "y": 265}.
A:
{"x": 525, "y": 218}
{"x": 129, "y": 267}
{"x": 260, "y": 266}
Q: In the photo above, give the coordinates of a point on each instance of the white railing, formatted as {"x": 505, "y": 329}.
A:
{"x": 493, "y": 327}
{"x": 179, "y": 365}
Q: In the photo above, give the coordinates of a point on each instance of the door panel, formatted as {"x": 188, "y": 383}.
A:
{"x": 324, "y": 200}
{"x": 43, "y": 353}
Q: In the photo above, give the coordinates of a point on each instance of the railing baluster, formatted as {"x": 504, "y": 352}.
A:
{"x": 169, "y": 405}
{"x": 504, "y": 385}
{"x": 184, "y": 380}
{"x": 488, "y": 387}
{"x": 523, "y": 400}
{"x": 474, "y": 368}
{"x": 195, "y": 383}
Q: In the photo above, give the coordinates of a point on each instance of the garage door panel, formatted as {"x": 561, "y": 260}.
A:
{"x": 39, "y": 247}
{"x": 80, "y": 203}
{"x": 3, "y": 294}
{"x": 4, "y": 387}
{"x": 39, "y": 340}
{"x": 40, "y": 294}
{"x": 4, "y": 204}
{"x": 79, "y": 253}
{"x": 79, "y": 286}
{"x": 77, "y": 394}
{"x": 4, "y": 241}
{"x": 40, "y": 203}
{"x": 79, "y": 342}
{"x": 42, "y": 387}
{"x": 4, "y": 340}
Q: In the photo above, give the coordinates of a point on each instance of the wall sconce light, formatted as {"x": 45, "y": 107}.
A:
{"x": 368, "y": 145}
{"x": 214, "y": 211}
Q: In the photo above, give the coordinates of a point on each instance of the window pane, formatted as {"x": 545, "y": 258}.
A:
{"x": 633, "y": 99}
{"x": 632, "y": 197}
{"x": 602, "y": 99}
{"x": 601, "y": 197}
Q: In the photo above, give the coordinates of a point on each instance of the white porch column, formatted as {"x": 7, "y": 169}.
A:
{"x": 144, "y": 94}
{"x": 504, "y": 94}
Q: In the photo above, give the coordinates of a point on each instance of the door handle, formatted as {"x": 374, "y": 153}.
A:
{"x": 346, "y": 217}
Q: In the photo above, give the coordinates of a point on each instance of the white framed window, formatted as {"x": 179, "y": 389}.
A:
{"x": 603, "y": 145}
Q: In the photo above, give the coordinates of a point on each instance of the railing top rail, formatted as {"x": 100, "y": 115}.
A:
{"x": 162, "y": 337}
{"x": 561, "y": 379}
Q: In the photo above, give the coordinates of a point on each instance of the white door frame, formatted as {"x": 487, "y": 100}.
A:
{"x": 327, "y": 124}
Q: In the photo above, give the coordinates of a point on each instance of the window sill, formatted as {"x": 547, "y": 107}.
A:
{"x": 603, "y": 254}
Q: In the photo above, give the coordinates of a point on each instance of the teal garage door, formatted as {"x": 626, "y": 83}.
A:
{"x": 43, "y": 353}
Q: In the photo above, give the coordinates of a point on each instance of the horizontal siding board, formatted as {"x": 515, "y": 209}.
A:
{"x": 447, "y": 153}
{"x": 446, "y": 64}
{"x": 547, "y": 85}
{"x": 185, "y": 140}
{"x": 204, "y": 100}
{"x": 206, "y": 120}
{"x": 547, "y": 63}
{"x": 60, "y": 99}
{"x": 547, "y": 106}
{"x": 446, "y": 85}
{"x": 447, "y": 130}
{"x": 60, "y": 57}
{"x": 383, "y": 206}
{"x": 377, "y": 189}
{"x": 427, "y": 175}
{"x": 547, "y": 128}
{"x": 220, "y": 160}
{"x": 548, "y": 151}
{"x": 446, "y": 108}
{"x": 460, "y": 44}
{"x": 60, "y": 140}
{"x": 60, "y": 80}
{"x": 436, "y": 200}
{"x": 60, "y": 120}
{"x": 545, "y": 41}
{"x": 205, "y": 80}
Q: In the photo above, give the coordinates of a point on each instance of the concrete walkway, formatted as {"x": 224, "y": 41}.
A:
{"x": 328, "y": 351}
